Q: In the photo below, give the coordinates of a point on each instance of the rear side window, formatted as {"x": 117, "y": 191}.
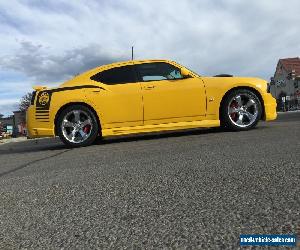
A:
{"x": 158, "y": 71}
{"x": 119, "y": 75}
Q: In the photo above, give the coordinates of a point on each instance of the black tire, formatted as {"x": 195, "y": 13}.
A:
{"x": 90, "y": 131}
{"x": 235, "y": 113}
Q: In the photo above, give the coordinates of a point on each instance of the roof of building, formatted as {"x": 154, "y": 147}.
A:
{"x": 290, "y": 64}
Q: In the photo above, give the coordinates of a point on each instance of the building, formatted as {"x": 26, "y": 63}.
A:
{"x": 17, "y": 121}
{"x": 6, "y": 125}
{"x": 285, "y": 85}
{"x": 20, "y": 122}
{"x": 7, "y": 121}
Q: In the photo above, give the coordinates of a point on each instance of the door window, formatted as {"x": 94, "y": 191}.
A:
{"x": 118, "y": 75}
{"x": 158, "y": 71}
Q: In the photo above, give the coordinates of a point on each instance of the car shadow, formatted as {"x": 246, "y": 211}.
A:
{"x": 158, "y": 135}
{"x": 54, "y": 144}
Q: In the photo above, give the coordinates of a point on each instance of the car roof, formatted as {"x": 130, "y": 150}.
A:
{"x": 79, "y": 79}
{"x": 95, "y": 70}
{"x": 122, "y": 63}
{"x": 111, "y": 65}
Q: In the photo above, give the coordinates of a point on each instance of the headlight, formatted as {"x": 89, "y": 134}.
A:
{"x": 268, "y": 87}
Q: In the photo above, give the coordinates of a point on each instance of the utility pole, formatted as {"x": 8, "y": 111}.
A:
{"x": 131, "y": 52}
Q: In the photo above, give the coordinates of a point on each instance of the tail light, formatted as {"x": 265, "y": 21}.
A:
{"x": 33, "y": 97}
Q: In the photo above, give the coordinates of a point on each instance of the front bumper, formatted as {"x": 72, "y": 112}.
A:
{"x": 37, "y": 129}
{"x": 270, "y": 107}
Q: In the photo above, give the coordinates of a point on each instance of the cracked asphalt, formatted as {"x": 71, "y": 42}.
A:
{"x": 186, "y": 190}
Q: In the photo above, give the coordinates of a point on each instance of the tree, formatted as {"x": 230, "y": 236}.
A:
{"x": 24, "y": 105}
{"x": 1, "y": 115}
{"x": 1, "y": 130}
{"x": 25, "y": 102}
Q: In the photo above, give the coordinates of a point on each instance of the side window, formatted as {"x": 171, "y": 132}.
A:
{"x": 125, "y": 74}
{"x": 158, "y": 71}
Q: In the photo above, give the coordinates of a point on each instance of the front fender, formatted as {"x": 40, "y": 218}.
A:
{"x": 217, "y": 87}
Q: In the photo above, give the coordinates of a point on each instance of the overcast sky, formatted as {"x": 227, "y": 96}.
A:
{"x": 48, "y": 41}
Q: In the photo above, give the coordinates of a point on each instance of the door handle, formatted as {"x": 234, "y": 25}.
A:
{"x": 149, "y": 87}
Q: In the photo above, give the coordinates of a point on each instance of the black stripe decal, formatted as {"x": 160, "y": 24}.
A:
{"x": 43, "y": 105}
{"x": 76, "y": 87}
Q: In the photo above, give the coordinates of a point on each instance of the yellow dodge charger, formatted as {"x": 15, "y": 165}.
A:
{"x": 145, "y": 96}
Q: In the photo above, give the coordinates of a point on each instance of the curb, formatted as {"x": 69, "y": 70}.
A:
{"x": 286, "y": 112}
{"x": 12, "y": 140}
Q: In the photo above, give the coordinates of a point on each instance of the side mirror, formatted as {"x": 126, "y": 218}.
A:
{"x": 184, "y": 72}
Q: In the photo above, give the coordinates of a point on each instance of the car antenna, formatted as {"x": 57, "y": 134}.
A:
{"x": 131, "y": 52}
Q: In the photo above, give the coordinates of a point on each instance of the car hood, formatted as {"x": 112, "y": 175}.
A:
{"x": 257, "y": 83}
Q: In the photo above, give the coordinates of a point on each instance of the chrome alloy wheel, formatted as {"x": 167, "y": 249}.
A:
{"x": 243, "y": 110}
{"x": 76, "y": 126}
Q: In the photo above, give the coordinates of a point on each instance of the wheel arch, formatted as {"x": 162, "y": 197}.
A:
{"x": 76, "y": 103}
{"x": 255, "y": 91}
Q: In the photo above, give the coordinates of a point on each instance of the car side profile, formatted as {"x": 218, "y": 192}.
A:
{"x": 145, "y": 96}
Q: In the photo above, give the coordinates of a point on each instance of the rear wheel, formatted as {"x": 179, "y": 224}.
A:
{"x": 241, "y": 110}
{"x": 77, "y": 126}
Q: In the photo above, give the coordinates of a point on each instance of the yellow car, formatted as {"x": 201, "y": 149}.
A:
{"x": 145, "y": 96}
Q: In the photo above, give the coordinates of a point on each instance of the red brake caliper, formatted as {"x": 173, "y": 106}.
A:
{"x": 233, "y": 115}
{"x": 87, "y": 129}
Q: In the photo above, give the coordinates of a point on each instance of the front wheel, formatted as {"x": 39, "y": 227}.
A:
{"x": 241, "y": 110}
{"x": 77, "y": 126}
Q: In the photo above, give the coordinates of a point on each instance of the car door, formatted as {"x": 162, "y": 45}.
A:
{"x": 120, "y": 101}
{"x": 168, "y": 96}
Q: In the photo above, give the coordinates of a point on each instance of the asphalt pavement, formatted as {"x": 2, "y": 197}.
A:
{"x": 184, "y": 190}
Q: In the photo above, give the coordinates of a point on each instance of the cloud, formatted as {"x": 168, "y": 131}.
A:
{"x": 12, "y": 88}
{"x": 210, "y": 36}
{"x": 50, "y": 41}
{"x": 8, "y": 105}
{"x": 36, "y": 62}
